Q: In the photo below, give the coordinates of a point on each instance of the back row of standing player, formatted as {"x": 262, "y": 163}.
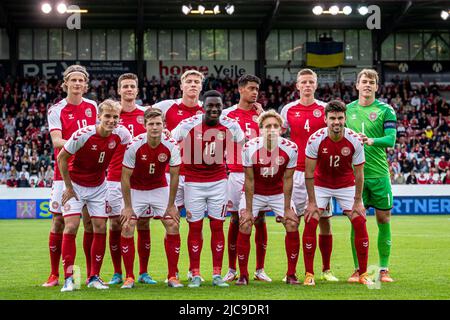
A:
{"x": 303, "y": 117}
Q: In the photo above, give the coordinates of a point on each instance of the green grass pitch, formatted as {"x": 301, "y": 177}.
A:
{"x": 420, "y": 264}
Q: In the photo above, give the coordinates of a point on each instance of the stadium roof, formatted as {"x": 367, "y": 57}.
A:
{"x": 259, "y": 14}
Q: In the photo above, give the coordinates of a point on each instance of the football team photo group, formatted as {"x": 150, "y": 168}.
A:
{"x": 120, "y": 166}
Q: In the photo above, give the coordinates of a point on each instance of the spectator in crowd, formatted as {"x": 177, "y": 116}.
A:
{"x": 3, "y": 176}
{"x": 446, "y": 179}
{"x": 396, "y": 168}
{"x": 412, "y": 179}
{"x": 423, "y": 165}
{"x": 422, "y": 179}
{"x": 442, "y": 165}
{"x": 434, "y": 177}
{"x": 23, "y": 182}
{"x": 399, "y": 179}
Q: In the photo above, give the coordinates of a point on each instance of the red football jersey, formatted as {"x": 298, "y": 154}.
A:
{"x": 248, "y": 120}
{"x": 149, "y": 164}
{"x": 204, "y": 147}
{"x": 269, "y": 166}
{"x": 175, "y": 111}
{"x": 68, "y": 118}
{"x": 335, "y": 160}
{"x": 93, "y": 153}
{"x": 303, "y": 121}
{"x": 134, "y": 122}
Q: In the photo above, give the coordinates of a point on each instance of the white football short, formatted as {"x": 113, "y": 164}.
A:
{"x": 206, "y": 196}
{"x": 93, "y": 197}
{"x": 235, "y": 189}
{"x": 264, "y": 203}
{"x": 114, "y": 201}
{"x": 154, "y": 201}
{"x": 55, "y": 197}
{"x": 179, "y": 198}
{"x": 300, "y": 195}
{"x": 343, "y": 196}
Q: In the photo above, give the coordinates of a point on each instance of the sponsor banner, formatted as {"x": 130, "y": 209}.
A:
{"x": 25, "y": 209}
{"x": 102, "y": 69}
{"x": 413, "y": 206}
{"x": 232, "y": 69}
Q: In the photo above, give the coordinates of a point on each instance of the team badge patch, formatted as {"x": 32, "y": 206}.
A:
{"x": 317, "y": 113}
{"x": 373, "y": 116}
{"x": 280, "y": 160}
{"x": 230, "y": 204}
{"x": 199, "y": 112}
{"x": 88, "y": 113}
{"x": 66, "y": 207}
{"x": 55, "y": 205}
{"x": 221, "y": 135}
{"x": 255, "y": 118}
{"x": 140, "y": 119}
{"x": 112, "y": 145}
{"x": 162, "y": 157}
{"x": 345, "y": 151}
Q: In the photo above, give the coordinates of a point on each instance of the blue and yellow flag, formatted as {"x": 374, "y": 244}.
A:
{"x": 324, "y": 54}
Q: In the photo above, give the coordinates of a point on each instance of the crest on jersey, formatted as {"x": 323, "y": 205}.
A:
{"x": 297, "y": 114}
{"x": 180, "y": 113}
{"x": 88, "y": 113}
{"x": 144, "y": 157}
{"x": 255, "y": 118}
{"x": 199, "y": 112}
{"x": 94, "y": 147}
{"x": 199, "y": 136}
{"x": 112, "y": 145}
{"x": 324, "y": 150}
{"x": 140, "y": 119}
{"x": 354, "y": 116}
{"x": 230, "y": 204}
{"x": 221, "y": 135}
{"x": 345, "y": 151}
{"x": 55, "y": 205}
{"x": 162, "y": 157}
{"x": 373, "y": 116}
{"x": 317, "y": 113}
{"x": 66, "y": 207}
{"x": 71, "y": 117}
{"x": 280, "y": 160}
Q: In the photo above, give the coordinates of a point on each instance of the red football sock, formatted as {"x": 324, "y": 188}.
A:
{"x": 68, "y": 252}
{"x": 243, "y": 251}
{"x": 97, "y": 253}
{"x": 361, "y": 242}
{"x": 292, "y": 243}
{"x": 54, "y": 244}
{"x": 144, "y": 244}
{"x": 326, "y": 246}
{"x": 127, "y": 250}
{"x": 114, "y": 248}
{"x": 88, "y": 237}
{"x": 172, "y": 245}
{"x": 217, "y": 244}
{"x": 195, "y": 244}
{"x": 261, "y": 243}
{"x": 233, "y": 232}
{"x": 309, "y": 244}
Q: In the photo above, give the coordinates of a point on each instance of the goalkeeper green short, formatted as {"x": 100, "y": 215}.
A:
{"x": 377, "y": 193}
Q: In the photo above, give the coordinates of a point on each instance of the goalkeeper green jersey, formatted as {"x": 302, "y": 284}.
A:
{"x": 372, "y": 120}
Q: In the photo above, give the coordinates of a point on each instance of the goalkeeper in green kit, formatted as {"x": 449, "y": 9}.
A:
{"x": 375, "y": 122}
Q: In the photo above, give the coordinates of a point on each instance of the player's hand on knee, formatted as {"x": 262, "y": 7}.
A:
{"x": 68, "y": 194}
{"x": 289, "y": 214}
{"x": 172, "y": 213}
{"x": 311, "y": 211}
{"x": 245, "y": 217}
{"x": 358, "y": 209}
{"x": 126, "y": 215}
{"x": 188, "y": 215}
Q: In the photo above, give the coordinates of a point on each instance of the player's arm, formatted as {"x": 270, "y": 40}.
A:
{"x": 358, "y": 206}
{"x": 249, "y": 187}
{"x": 288, "y": 183}
{"x": 127, "y": 211}
{"x": 311, "y": 208}
{"x": 57, "y": 140}
{"x": 63, "y": 159}
{"x": 390, "y": 132}
{"x": 172, "y": 210}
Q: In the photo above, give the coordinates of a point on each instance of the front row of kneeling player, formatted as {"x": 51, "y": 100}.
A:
{"x": 269, "y": 163}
